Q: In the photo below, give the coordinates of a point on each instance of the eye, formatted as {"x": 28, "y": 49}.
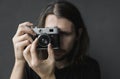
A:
{"x": 62, "y": 33}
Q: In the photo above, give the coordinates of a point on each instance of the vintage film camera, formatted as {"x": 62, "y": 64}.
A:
{"x": 47, "y": 35}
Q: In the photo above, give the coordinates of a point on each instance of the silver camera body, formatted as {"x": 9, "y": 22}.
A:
{"x": 47, "y": 35}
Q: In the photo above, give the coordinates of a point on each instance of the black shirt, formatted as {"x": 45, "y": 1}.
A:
{"x": 89, "y": 69}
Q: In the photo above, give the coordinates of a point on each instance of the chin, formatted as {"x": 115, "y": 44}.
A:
{"x": 60, "y": 57}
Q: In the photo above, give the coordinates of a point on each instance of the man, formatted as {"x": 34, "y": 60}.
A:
{"x": 69, "y": 62}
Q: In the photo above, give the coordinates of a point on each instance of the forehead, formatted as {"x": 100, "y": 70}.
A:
{"x": 62, "y": 23}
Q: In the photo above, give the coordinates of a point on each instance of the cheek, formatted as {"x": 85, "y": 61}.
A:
{"x": 67, "y": 43}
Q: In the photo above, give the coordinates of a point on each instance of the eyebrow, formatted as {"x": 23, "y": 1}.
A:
{"x": 64, "y": 32}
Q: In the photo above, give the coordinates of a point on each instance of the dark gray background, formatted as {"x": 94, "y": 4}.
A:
{"x": 102, "y": 19}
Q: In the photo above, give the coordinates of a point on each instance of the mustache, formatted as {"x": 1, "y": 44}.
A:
{"x": 56, "y": 50}
{"x": 60, "y": 50}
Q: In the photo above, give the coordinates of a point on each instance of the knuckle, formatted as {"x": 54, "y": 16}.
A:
{"x": 26, "y": 35}
{"x": 20, "y": 25}
{"x": 27, "y": 41}
{"x": 13, "y": 39}
{"x": 18, "y": 46}
{"x": 20, "y": 29}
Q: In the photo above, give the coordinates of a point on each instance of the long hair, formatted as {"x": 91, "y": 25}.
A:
{"x": 69, "y": 11}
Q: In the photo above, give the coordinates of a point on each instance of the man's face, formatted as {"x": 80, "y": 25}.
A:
{"x": 67, "y": 34}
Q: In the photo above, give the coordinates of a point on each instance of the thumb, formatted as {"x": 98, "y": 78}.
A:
{"x": 50, "y": 52}
{"x": 33, "y": 50}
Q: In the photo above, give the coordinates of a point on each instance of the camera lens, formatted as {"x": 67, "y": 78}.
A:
{"x": 44, "y": 40}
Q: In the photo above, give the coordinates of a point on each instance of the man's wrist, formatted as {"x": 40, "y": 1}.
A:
{"x": 20, "y": 62}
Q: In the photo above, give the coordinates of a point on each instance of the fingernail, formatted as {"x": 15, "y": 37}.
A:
{"x": 49, "y": 45}
{"x": 31, "y": 41}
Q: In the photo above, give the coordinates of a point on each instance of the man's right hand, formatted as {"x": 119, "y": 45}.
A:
{"x": 22, "y": 39}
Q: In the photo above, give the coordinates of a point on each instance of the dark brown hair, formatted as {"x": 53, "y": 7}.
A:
{"x": 69, "y": 11}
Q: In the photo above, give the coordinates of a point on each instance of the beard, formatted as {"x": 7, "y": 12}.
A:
{"x": 60, "y": 54}
{"x": 66, "y": 54}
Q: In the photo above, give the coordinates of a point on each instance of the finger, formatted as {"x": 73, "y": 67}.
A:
{"x": 24, "y": 28}
{"x": 23, "y": 37}
{"x": 26, "y": 54}
{"x": 33, "y": 50}
{"x": 50, "y": 53}
{"x": 22, "y": 45}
